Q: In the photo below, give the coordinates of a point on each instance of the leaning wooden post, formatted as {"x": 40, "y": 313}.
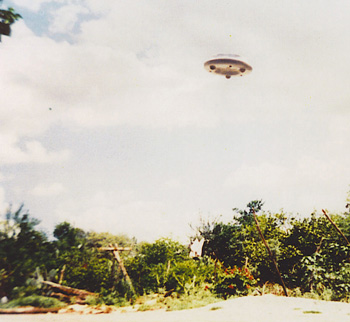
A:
{"x": 121, "y": 263}
{"x": 270, "y": 253}
{"x": 335, "y": 226}
{"x": 115, "y": 250}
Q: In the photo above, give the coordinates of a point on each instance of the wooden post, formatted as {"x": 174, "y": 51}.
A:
{"x": 270, "y": 253}
{"x": 115, "y": 250}
{"x": 62, "y": 274}
{"x": 335, "y": 226}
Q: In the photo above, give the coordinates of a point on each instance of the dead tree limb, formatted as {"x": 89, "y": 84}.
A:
{"x": 69, "y": 290}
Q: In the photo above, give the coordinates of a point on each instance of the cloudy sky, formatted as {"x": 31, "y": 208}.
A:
{"x": 108, "y": 119}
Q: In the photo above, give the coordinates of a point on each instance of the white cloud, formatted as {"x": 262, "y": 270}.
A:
{"x": 302, "y": 186}
{"x": 37, "y": 153}
{"x": 123, "y": 213}
{"x": 96, "y": 84}
{"x": 98, "y": 7}
{"x": 3, "y": 204}
{"x": 66, "y": 17}
{"x": 257, "y": 176}
{"x": 138, "y": 65}
{"x": 32, "y": 151}
{"x": 174, "y": 183}
{"x": 48, "y": 190}
{"x": 338, "y": 136}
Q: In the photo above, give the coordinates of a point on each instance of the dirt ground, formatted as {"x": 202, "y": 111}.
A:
{"x": 267, "y": 308}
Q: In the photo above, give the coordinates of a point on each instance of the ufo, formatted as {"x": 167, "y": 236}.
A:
{"x": 228, "y": 65}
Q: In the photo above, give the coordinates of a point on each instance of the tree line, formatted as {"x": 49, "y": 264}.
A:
{"x": 310, "y": 253}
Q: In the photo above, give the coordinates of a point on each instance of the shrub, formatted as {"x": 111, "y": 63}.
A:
{"x": 186, "y": 275}
{"x": 36, "y": 301}
{"x": 234, "y": 281}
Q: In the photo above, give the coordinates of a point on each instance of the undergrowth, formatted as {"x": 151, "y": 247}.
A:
{"x": 196, "y": 298}
{"x": 34, "y": 300}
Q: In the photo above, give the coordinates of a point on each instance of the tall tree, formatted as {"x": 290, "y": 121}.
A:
{"x": 22, "y": 249}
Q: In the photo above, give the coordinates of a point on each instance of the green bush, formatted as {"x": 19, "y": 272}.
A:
{"x": 150, "y": 268}
{"x": 328, "y": 271}
{"x": 233, "y": 281}
{"x": 186, "y": 275}
{"x": 165, "y": 264}
{"x": 22, "y": 250}
{"x": 120, "y": 297}
{"x": 36, "y": 301}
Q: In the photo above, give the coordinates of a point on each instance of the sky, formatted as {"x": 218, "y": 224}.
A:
{"x": 108, "y": 119}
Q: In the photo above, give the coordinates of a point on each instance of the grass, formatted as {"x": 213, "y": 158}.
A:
{"x": 174, "y": 302}
{"x": 145, "y": 307}
{"x": 193, "y": 300}
{"x": 34, "y": 300}
{"x": 323, "y": 294}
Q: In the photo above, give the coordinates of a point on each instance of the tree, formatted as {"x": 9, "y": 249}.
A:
{"x": 68, "y": 236}
{"x": 150, "y": 268}
{"x": 22, "y": 249}
{"x": 7, "y": 18}
{"x": 234, "y": 242}
{"x": 79, "y": 261}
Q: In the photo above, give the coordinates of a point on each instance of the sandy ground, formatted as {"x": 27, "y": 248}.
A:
{"x": 267, "y": 308}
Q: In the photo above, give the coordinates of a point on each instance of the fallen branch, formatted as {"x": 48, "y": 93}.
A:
{"x": 69, "y": 290}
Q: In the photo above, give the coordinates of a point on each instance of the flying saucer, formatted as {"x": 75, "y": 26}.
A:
{"x": 228, "y": 65}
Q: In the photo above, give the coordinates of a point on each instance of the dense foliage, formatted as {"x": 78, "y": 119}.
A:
{"x": 310, "y": 253}
{"x": 312, "y": 256}
{"x": 165, "y": 265}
